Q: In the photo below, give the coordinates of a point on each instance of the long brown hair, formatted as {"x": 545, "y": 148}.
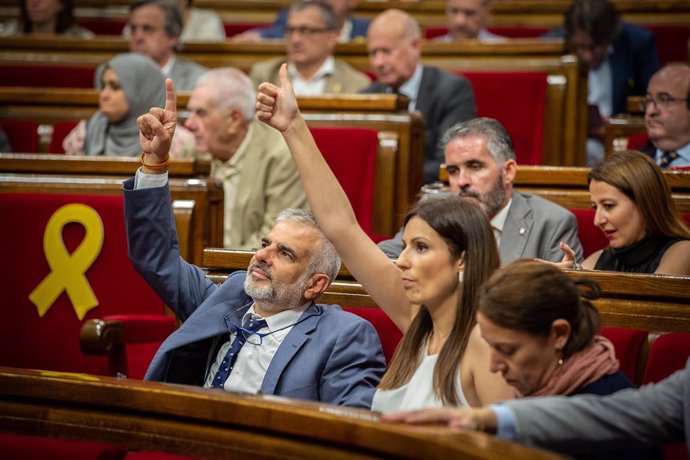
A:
{"x": 528, "y": 295}
{"x": 640, "y": 179}
{"x": 465, "y": 228}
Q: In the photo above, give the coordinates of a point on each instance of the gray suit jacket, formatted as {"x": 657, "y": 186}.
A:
{"x": 444, "y": 99}
{"x": 329, "y": 355}
{"x": 653, "y": 414}
{"x": 344, "y": 79}
{"x": 185, "y": 73}
{"x": 534, "y": 227}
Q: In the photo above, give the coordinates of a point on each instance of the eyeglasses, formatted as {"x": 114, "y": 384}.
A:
{"x": 662, "y": 100}
{"x": 305, "y": 31}
{"x": 255, "y": 337}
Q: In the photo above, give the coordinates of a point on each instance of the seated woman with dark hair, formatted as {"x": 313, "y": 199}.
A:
{"x": 129, "y": 85}
{"x": 45, "y": 17}
{"x": 542, "y": 330}
{"x": 635, "y": 211}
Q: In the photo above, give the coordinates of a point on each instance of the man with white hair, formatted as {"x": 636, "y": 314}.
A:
{"x": 250, "y": 159}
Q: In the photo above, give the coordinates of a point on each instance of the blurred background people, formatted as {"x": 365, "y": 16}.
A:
{"x": 154, "y": 28}
{"x": 45, "y": 17}
{"x": 200, "y": 24}
{"x": 349, "y": 28}
{"x": 129, "y": 84}
{"x": 620, "y": 58}
{"x": 444, "y": 99}
{"x": 634, "y": 209}
{"x": 311, "y": 35}
{"x": 667, "y": 116}
{"x": 468, "y": 19}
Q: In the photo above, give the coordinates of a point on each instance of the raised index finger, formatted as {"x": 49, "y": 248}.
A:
{"x": 170, "y": 96}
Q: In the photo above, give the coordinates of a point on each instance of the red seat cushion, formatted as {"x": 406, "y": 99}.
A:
{"x": 671, "y": 41}
{"x": 52, "y": 341}
{"x": 45, "y": 75}
{"x": 637, "y": 141}
{"x": 103, "y": 26}
{"x": 20, "y": 447}
{"x": 23, "y": 135}
{"x": 60, "y": 131}
{"x": 628, "y": 343}
{"x": 518, "y": 101}
{"x": 235, "y": 28}
{"x": 351, "y": 155}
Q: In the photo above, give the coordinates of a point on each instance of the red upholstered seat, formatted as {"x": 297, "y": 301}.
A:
{"x": 235, "y": 28}
{"x": 23, "y": 135}
{"x": 518, "y": 101}
{"x": 20, "y": 447}
{"x": 45, "y": 75}
{"x": 351, "y": 155}
{"x": 388, "y": 332}
{"x": 671, "y": 41}
{"x": 103, "y": 26}
{"x": 591, "y": 237}
{"x": 51, "y": 341}
{"x": 60, "y": 131}
{"x": 668, "y": 353}
{"x": 628, "y": 343}
{"x": 637, "y": 141}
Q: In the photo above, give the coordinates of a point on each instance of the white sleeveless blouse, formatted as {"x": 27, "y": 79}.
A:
{"x": 418, "y": 393}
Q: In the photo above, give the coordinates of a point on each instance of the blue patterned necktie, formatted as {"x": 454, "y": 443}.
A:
{"x": 667, "y": 158}
{"x": 254, "y": 324}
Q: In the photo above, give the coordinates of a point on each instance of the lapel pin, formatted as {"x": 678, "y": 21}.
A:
{"x": 523, "y": 230}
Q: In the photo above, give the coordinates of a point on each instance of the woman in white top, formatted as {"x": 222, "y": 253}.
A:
{"x": 429, "y": 293}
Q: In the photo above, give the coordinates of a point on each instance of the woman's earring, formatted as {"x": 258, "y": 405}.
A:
{"x": 461, "y": 276}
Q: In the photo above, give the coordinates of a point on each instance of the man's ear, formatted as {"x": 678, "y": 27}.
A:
{"x": 235, "y": 121}
{"x": 509, "y": 171}
{"x": 316, "y": 284}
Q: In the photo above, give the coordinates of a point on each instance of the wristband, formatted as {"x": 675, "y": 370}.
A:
{"x": 154, "y": 167}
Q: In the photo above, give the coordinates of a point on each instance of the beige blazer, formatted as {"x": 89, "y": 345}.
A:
{"x": 344, "y": 79}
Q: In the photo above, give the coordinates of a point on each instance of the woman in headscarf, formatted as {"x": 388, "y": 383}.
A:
{"x": 129, "y": 84}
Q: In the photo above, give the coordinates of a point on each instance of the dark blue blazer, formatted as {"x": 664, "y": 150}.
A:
{"x": 330, "y": 355}
{"x": 277, "y": 30}
{"x": 444, "y": 99}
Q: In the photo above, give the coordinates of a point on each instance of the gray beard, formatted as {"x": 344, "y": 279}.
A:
{"x": 492, "y": 201}
{"x": 277, "y": 296}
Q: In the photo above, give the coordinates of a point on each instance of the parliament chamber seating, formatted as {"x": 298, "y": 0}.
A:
{"x": 69, "y": 265}
{"x": 22, "y": 134}
{"x": 46, "y": 75}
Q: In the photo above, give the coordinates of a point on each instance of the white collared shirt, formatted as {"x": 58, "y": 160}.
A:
{"x": 167, "y": 68}
{"x": 253, "y": 360}
{"x": 316, "y": 85}
{"x": 411, "y": 87}
{"x": 345, "y": 31}
{"x": 499, "y": 221}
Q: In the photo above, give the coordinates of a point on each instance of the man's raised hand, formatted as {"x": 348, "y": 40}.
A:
{"x": 157, "y": 127}
{"x": 277, "y": 107}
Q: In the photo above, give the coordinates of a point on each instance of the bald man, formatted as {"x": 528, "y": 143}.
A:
{"x": 444, "y": 99}
{"x": 667, "y": 116}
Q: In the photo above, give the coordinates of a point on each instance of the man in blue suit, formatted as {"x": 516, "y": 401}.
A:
{"x": 350, "y": 27}
{"x": 260, "y": 331}
{"x": 620, "y": 59}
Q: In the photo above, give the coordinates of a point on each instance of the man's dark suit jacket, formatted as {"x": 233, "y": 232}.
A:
{"x": 444, "y": 99}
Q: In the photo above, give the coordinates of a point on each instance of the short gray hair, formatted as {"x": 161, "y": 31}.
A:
{"x": 173, "y": 14}
{"x": 325, "y": 258}
{"x": 499, "y": 142}
{"x": 232, "y": 90}
{"x": 326, "y": 12}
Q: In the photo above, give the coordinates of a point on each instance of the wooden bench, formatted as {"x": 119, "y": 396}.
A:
{"x": 564, "y": 112}
{"x": 534, "y": 13}
{"x": 398, "y": 169}
{"x": 620, "y": 128}
{"x": 220, "y": 425}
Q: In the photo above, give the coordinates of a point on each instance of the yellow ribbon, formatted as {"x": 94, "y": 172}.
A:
{"x": 67, "y": 270}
